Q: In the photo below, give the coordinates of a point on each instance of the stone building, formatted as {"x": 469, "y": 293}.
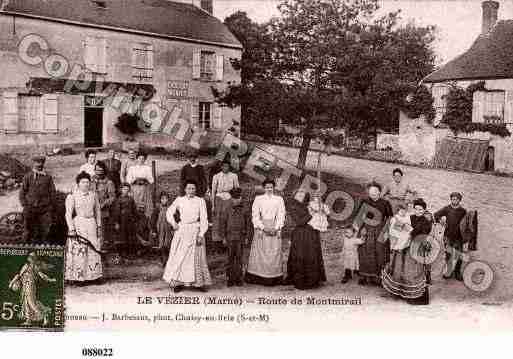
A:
{"x": 70, "y": 68}
{"x": 489, "y": 59}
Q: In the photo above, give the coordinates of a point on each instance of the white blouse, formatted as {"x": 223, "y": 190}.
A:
{"x": 268, "y": 207}
{"x": 191, "y": 210}
{"x": 139, "y": 171}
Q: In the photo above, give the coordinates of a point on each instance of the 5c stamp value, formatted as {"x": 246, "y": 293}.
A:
{"x": 32, "y": 287}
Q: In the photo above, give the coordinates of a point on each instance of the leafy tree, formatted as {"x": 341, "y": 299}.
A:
{"x": 333, "y": 64}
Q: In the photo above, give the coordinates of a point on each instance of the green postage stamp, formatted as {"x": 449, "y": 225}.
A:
{"x": 32, "y": 287}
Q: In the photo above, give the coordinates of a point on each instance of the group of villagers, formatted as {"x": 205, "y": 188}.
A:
{"x": 110, "y": 196}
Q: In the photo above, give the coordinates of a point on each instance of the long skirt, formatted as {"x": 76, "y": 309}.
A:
{"x": 305, "y": 266}
{"x": 373, "y": 254}
{"x": 82, "y": 262}
{"x": 404, "y": 276}
{"x": 187, "y": 262}
{"x": 265, "y": 265}
{"x": 143, "y": 198}
{"x": 32, "y": 309}
{"x": 221, "y": 209}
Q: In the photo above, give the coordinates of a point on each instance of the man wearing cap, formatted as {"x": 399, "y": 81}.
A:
{"x": 37, "y": 196}
{"x": 451, "y": 216}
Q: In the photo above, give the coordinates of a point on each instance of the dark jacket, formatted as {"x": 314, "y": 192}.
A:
{"x": 236, "y": 224}
{"x": 420, "y": 224}
{"x": 468, "y": 229}
{"x": 113, "y": 170}
{"x": 454, "y": 217}
{"x": 38, "y": 193}
{"x": 124, "y": 210}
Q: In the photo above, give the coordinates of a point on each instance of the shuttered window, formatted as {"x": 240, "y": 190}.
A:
{"x": 488, "y": 107}
{"x": 207, "y": 66}
{"x": 95, "y": 54}
{"x": 142, "y": 62}
{"x": 30, "y": 114}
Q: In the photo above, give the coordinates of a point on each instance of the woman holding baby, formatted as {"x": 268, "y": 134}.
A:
{"x": 305, "y": 266}
{"x": 406, "y": 276}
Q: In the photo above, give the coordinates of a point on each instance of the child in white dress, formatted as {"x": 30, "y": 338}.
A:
{"x": 350, "y": 252}
{"x": 319, "y": 212}
{"x": 400, "y": 228}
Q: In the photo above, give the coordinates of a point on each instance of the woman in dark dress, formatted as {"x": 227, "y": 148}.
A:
{"x": 372, "y": 215}
{"x": 406, "y": 276}
{"x": 305, "y": 266}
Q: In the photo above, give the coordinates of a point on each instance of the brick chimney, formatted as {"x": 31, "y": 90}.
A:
{"x": 490, "y": 11}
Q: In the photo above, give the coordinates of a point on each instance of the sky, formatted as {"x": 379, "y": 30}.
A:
{"x": 458, "y": 21}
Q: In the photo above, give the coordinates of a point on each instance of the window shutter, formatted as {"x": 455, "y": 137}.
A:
{"x": 149, "y": 58}
{"x": 478, "y": 106}
{"x": 102, "y": 55}
{"x": 217, "y": 116}
{"x": 50, "y": 113}
{"x": 196, "y": 60}
{"x": 194, "y": 114}
{"x": 90, "y": 53}
{"x": 219, "y": 67}
{"x": 10, "y": 123}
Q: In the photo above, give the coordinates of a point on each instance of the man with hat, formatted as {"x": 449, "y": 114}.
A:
{"x": 38, "y": 197}
{"x": 450, "y": 216}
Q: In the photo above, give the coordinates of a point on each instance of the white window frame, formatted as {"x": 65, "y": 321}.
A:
{"x": 488, "y": 103}
{"x": 204, "y": 122}
{"x": 207, "y": 72}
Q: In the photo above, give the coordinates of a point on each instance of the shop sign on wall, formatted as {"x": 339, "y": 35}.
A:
{"x": 178, "y": 89}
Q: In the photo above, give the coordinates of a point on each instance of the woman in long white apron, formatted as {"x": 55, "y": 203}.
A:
{"x": 187, "y": 263}
{"x": 265, "y": 265}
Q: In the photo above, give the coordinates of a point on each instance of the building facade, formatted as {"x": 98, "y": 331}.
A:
{"x": 489, "y": 59}
{"x": 72, "y": 68}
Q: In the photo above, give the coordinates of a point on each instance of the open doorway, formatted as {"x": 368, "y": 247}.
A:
{"x": 490, "y": 159}
{"x": 93, "y": 126}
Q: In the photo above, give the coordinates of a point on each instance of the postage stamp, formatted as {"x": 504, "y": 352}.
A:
{"x": 32, "y": 287}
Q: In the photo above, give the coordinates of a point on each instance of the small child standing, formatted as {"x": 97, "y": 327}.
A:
{"x": 162, "y": 230}
{"x": 350, "y": 253}
{"x": 124, "y": 217}
{"x": 235, "y": 228}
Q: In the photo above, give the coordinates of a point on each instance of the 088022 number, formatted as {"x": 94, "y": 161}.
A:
{"x": 97, "y": 352}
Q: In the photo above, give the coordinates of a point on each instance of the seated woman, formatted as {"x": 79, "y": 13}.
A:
{"x": 140, "y": 178}
{"x": 405, "y": 276}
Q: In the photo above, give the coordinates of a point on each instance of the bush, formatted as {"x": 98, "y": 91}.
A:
{"x": 128, "y": 124}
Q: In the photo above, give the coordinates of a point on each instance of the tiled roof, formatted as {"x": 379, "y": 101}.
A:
{"x": 489, "y": 57}
{"x": 159, "y": 17}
